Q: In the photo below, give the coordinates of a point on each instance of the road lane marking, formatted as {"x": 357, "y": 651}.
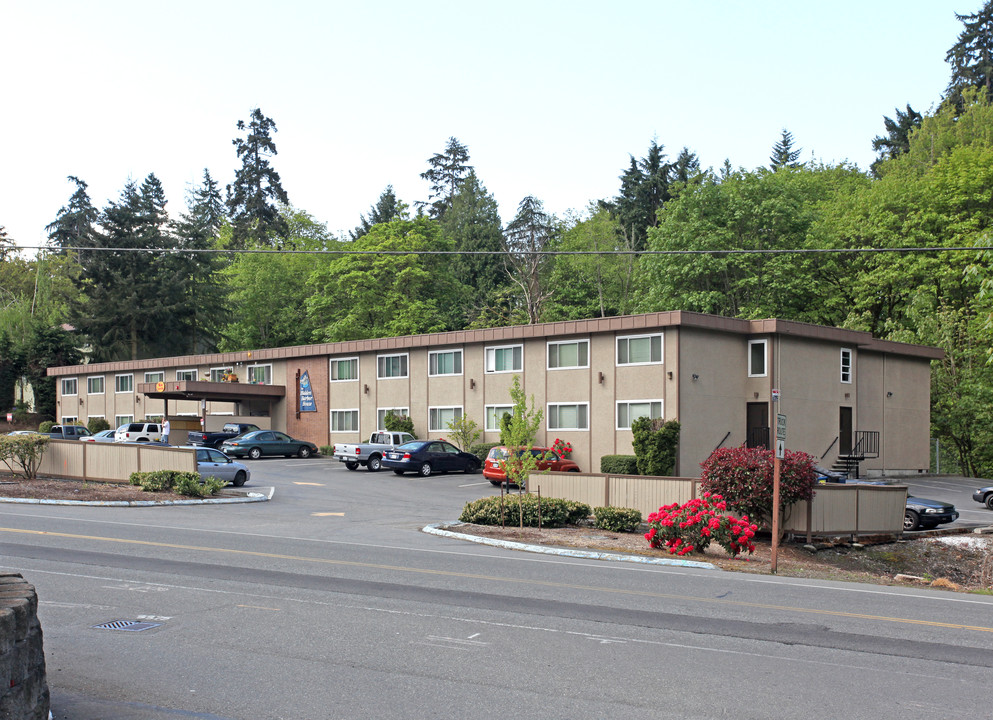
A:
{"x": 510, "y": 580}
{"x": 259, "y": 607}
{"x": 306, "y": 483}
{"x": 326, "y": 514}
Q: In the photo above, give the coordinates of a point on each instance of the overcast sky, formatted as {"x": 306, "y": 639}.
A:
{"x": 550, "y": 98}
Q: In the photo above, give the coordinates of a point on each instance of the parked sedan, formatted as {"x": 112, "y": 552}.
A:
{"x": 985, "y": 496}
{"x": 924, "y": 514}
{"x": 429, "y": 456}
{"x": 547, "y": 459}
{"x": 257, "y": 443}
{"x": 214, "y": 463}
{"x": 104, "y": 436}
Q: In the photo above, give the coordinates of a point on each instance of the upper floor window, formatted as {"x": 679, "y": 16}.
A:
{"x": 445, "y": 362}
{"x": 631, "y": 410}
{"x": 846, "y": 365}
{"x": 94, "y": 385}
{"x": 69, "y": 386}
{"x": 756, "y": 358}
{"x": 154, "y": 377}
{"x": 639, "y": 350}
{"x": 186, "y": 375}
{"x": 391, "y": 366}
{"x": 259, "y": 374}
{"x": 218, "y": 374}
{"x": 568, "y": 354}
{"x": 509, "y": 358}
{"x": 344, "y": 369}
{"x": 123, "y": 383}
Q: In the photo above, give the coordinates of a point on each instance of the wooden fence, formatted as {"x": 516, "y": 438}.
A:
{"x": 111, "y": 462}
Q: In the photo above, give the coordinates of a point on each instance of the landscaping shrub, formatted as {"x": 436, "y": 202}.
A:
{"x": 46, "y": 426}
{"x": 327, "y": 450}
{"x": 694, "y": 525}
{"x": 184, "y": 483}
{"x": 399, "y": 423}
{"x": 744, "y": 478}
{"x": 616, "y": 519}
{"x": 555, "y": 512}
{"x": 193, "y": 485}
{"x": 481, "y": 450}
{"x": 97, "y": 424}
{"x": 23, "y": 453}
{"x": 655, "y": 444}
{"x": 619, "y": 465}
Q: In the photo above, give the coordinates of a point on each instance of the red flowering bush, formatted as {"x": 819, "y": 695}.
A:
{"x": 744, "y": 477}
{"x": 562, "y": 448}
{"x": 694, "y": 525}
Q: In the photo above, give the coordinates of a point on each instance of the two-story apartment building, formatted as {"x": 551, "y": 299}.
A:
{"x": 726, "y": 380}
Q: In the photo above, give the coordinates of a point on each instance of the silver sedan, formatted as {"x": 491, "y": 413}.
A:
{"x": 214, "y": 463}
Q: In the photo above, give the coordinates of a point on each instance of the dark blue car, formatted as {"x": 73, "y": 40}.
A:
{"x": 429, "y": 456}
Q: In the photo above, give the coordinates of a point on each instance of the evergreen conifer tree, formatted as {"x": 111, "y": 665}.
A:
{"x": 526, "y": 239}
{"x": 448, "y": 169}
{"x": 253, "y": 199}
{"x": 74, "y": 224}
{"x": 971, "y": 57}
{"x": 386, "y": 209}
{"x": 783, "y": 154}
{"x": 897, "y": 138}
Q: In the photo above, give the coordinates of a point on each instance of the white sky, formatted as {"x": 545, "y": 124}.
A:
{"x": 549, "y": 97}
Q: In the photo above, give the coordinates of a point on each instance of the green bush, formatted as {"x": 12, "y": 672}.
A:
{"x": 97, "y": 424}
{"x": 555, "y": 512}
{"x": 46, "y": 426}
{"x": 619, "y": 465}
{"x": 327, "y": 450}
{"x": 616, "y": 519}
{"x": 23, "y": 452}
{"x": 481, "y": 450}
{"x": 193, "y": 485}
{"x": 21, "y": 411}
{"x": 184, "y": 483}
{"x": 655, "y": 444}
{"x": 399, "y": 423}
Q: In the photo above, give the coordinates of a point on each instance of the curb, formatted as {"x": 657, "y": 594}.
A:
{"x": 248, "y": 497}
{"x": 439, "y": 529}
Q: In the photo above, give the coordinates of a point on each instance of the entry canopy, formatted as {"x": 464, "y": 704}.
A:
{"x": 216, "y": 391}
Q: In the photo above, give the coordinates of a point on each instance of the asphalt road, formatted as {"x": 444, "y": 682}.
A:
{"x": 329, "y": 602}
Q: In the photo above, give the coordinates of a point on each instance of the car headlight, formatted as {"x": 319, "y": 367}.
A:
{"x": 933, "y": 510}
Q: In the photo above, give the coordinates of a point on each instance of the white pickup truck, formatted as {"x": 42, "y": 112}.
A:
{"x": 370, "y": 454}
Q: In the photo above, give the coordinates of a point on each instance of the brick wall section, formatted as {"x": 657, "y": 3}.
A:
{"x": 313, "y": 426}
{"x": 23, "y": 683}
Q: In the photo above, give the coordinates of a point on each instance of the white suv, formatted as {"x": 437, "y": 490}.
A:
{"x": 138, "y": 432}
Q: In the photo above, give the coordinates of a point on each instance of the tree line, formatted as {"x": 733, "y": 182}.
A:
{"x": 242, "y": 268}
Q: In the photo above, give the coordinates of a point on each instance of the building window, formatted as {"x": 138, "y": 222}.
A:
{"x": 69, "y": 419}
{"x": 154, "y": 377}
{"x": 846, "y": 365}
{"x": 186, "y": 375}
{"x": 391, "y": 366}
{"x": 639, "y": 350}
{"x": 94, "y": 385}
{"x": 259, "y": 374}
{"x": 445, "y": 362}
{"x": 568, "y": 416}
{"x": 494, "y": 413}
{"x": 571, "y": 354}
{"x": 381, "y": 414}
{"x": 69, "y": 386}
{"x": 756, "y": 358}
{"x": 631, "y": 410}
{"x": 218, "y": 374}
{"x": 92, "y": 417}
{"x": 439, "y": 417}
{"x": 509, "y": 358}
{"x": 124, "y": 383}
{"x": 345, "y": 369}
{"x": 344, "y": 421}
{"x": 123, "y": 420}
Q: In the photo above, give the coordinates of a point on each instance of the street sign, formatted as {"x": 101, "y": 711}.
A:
{"x": 780, "y": 449}
{"x": 775, "y": 395}
{"x": 780, "y": 427}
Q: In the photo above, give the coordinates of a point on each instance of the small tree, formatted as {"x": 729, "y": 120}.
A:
{"x": 465, "y": 432}
{"x": 399, "y": 423}
{"x": 23, "y": 452}
{"x": 519, "y": 438}
{"x": 655, "y": 445}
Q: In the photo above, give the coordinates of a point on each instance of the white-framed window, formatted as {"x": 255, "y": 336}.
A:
{"x": 217, "y": 374}
{"x": 391, "y": 366}
{"x": 154, "y": 377}
{"x": 381, "y": 414}
{"x": 568, "y": 416}
{"x": 345, "y": 420}
{"x": 186, "y": 374}
{"x": 639, "y": 350}
{"x": 494, "y": 413}
{"x": 504, "y": 358}
{"x": 259, "y": 374}
{"x": 70, "y": 420}
{"x": 344, "y": 369}
{"x": 846, "y": 365}
{"x": 70, "y": 386}
{"x": 94, "y": 385}
{"x": 123, "y": 383}
{"x": 439, "y": 417}
{"x": 756, "y": 358}
{"x": 444, "y": 362}
{"x": 123, "y": 420}
{"x": 568, "y": 354}
{"x": 630, "y": 410}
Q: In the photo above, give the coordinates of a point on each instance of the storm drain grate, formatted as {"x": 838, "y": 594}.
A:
{"x": 128, "y": 625}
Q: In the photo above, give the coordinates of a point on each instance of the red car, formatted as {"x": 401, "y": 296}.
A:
{"x": 548, "y": 459}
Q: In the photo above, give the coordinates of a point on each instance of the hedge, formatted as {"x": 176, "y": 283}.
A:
{"x": 555, "y": 512}
{"x": 619, "y": 465}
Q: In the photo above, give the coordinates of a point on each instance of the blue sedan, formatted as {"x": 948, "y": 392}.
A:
{"x": 429, "y": 456}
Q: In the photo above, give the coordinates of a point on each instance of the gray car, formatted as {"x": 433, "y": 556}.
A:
{"x": 214, "y": 463}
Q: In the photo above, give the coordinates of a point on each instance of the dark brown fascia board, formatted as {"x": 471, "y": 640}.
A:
{"x": 620, "y": 324}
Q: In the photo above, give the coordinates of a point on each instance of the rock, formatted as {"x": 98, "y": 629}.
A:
{"x": 908, "y": 578}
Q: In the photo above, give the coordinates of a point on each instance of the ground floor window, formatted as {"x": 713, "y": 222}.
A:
{"x": 631, "y": 410}
{"x": 69, "y": 419}
{"x": 344, "y": 421}
{"x": 381, "y": 414}
{"x": 493, "y": 415}
{"x": 123, "y": 420}
{"x": 568, "y": 416}
{"x": 439, "y": 417}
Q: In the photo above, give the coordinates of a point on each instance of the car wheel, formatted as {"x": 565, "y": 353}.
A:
{"x": 911, "y": 520}
{"x": 496, "y": 483}
{"x": 239, "y": 478}
{"x": 989, "y": 501}
{"x": 397, "y": 472}
{"x": 375, "y": 463}
{"x": 471, "y": 467}
{"x": 425, "y": 469}
{"x": 352, "y": 465}
{"x": 573, "y": 470}
{"x": 255, "y": 453}
{"x": 304, "y": 452}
